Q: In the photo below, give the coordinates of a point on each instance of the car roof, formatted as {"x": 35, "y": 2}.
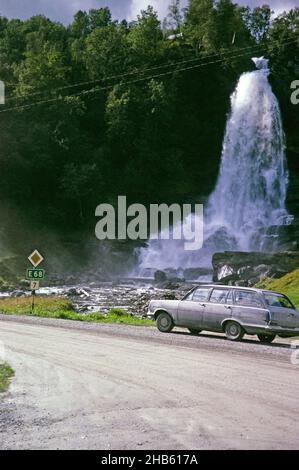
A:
{"x": 253, "y": 289}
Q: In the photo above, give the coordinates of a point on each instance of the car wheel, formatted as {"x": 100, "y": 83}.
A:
{"x": 266, "y": 338}
{"x": 164, "y": 322}
{"x": 234, "y": 331}
{"x": 194, "y": 332}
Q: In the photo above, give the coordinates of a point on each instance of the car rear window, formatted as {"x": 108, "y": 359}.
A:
{"x": 247, "y": 299}
{"x": 278, "y": 300}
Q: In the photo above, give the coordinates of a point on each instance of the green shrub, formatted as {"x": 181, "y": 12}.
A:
{"x": 6, "y": 372}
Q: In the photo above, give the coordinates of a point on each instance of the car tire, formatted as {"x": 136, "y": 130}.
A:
{"x": 194, "y": 331}
{"x": 267, "y": 339}
{"x": 164, "y": 322}
{"x": 234, "y": 331}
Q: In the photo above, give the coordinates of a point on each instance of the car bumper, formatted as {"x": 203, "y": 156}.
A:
{"x": 150, "y": 315}
{"x": 271, "y": 329}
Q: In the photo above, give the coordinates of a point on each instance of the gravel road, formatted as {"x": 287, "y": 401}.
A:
{"x": 85, "y": 386}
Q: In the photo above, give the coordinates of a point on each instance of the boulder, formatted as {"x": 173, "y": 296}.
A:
{"x": 196, "y": 273}
{"x": 73, "y": 292}
{"x": 231, "y": 267}
{"x": 160, "y": 276}
{"x": 169, "y": 274}
{"x": 174, "y": 274}
{"x": 17, "y": 293}
{"x": 171, "y": 285}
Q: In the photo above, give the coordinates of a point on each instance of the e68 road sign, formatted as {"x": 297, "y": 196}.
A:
{"x": 35, "y": 274}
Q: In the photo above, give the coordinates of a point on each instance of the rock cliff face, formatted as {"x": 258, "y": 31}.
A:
{"x": 287, "y": 236}
{"x": 293, "y": 190}
{"x": 282, "y": 237}
{"x": 247, "y": 269}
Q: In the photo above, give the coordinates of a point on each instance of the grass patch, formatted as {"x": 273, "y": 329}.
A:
{"x": 288, "y": 285}
{"x": 59, "y": 307}
{"x": 6, "y": 373}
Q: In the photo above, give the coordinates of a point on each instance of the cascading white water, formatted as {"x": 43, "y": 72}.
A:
{"x": 250, "y": 193}
{"x": 251, "y": 189}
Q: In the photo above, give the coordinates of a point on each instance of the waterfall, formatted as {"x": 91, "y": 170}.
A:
{"x": 250, "y": 193}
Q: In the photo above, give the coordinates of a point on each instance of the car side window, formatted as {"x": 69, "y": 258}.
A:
{"x": 200, "y": 295}
{"x": 218, "y": 296}
{"x": 247, "y": 299}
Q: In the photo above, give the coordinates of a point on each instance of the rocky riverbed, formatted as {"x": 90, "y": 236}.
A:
{"x": 133, "y": 297}
{"x": 134, "y": 294}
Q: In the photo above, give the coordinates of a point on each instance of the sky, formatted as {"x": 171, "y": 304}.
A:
{"x": 63, "y": 10}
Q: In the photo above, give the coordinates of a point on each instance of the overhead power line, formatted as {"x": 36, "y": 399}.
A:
{"x": 123, "y": 83}
{"x": 141, "y": 71}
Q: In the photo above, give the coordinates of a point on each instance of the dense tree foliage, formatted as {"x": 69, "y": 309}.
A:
{"x": 102, "y": 108}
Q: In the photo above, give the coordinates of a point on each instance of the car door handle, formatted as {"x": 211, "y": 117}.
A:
{"x": 228, "y": 307}
{"x": 202, "y": 305}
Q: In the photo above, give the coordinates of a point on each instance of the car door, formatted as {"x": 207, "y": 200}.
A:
{"x": 217, "y": 309}
{"x": 283, "y": 313}
{"x": 190, "y": 310}
{"x": 249, "y": 308}
{"x": 284, "y": 317}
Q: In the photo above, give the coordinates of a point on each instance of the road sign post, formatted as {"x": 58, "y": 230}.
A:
{"x": 33, "y": 302}
{"x": 34, "y": 275}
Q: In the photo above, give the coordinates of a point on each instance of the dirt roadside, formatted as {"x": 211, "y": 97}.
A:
{"x": 118, "y": 387}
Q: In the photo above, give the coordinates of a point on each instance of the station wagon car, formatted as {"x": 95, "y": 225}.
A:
{"x": 234, "y": 311}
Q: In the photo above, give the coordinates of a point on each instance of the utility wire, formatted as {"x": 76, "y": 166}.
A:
{"x": 150, "y": 69}
{"x": 97, "y": 89}
{"x": 137, "y": 80}
{"x": 134, "y": 72}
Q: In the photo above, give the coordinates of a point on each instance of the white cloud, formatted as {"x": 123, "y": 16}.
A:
{"x": 161, "y": 6}
{"x": 278, "y": 6}
{"x": 63, "y": 10}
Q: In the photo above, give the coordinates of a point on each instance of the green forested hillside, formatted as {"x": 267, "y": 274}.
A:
{"x": 102, "y": 108}
{"x": 288, "y": 284}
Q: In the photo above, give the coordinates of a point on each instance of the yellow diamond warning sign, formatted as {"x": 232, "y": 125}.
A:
{"x": 35, "y": 258}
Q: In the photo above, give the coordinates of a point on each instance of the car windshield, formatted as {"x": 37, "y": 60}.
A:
{"x": 278, "y": 300}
